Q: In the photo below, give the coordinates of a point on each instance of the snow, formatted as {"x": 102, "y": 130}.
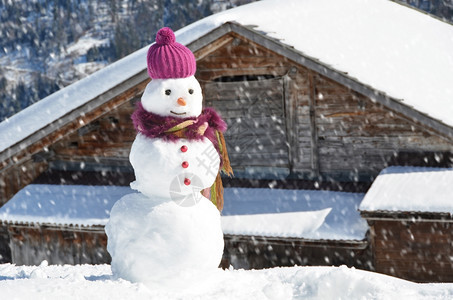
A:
{"x": 411, "y": 189}
{"x": 59, "y": 204}
{"x": 390, "y": 47}
{"x": 159, "y": 243}
{"x": 86, "y": 68}
{"x": 244, "y": 209}
{"x": 97, "y": 282}
{"x": 338, "y": 212}
{"x": 84, "y": 44}
{"x": 295, "y": 224}
{"x": 159, "y": 162}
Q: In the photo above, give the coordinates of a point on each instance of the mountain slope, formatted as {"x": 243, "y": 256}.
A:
{"x": 48, "y": 44}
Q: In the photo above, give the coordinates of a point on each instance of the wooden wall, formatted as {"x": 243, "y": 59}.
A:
{"x": 105, "y": 141}
{"x": 345, "y": 135}
{"x": 32, "y": 243}
{"x": 100, "y": 135}
{"x": 359, "y": 135}
{"x": 329, "y": 129}
{"x": 246, "y": 83}
{"x": 232, "y": 55}
{"x": 418, "y": 250}
{"x": 258, "y": 252}
{"x": 256, "y": 121}
{"x": 15, "y": 176}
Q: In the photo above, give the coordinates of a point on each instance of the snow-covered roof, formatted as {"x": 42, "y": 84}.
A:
{"x": 62, "y": 204}
{"x": 308, "y": 214}
{"x": 396, "y": 50}
{"x": 411, "y": 189}
{"x": 263, "y": 212}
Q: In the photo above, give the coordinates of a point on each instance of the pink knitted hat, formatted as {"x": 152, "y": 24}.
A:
{"x": 168, "y": 58}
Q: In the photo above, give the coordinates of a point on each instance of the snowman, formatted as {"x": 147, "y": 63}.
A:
{"x": 169, "y": 233}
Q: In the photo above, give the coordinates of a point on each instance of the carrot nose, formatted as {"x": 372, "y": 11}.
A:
{"x": 181, "y": 101}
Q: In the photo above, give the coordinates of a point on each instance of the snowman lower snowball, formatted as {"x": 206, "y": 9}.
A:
{"x": 169, "y": 234}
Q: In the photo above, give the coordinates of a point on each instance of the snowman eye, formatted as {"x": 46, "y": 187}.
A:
{"x": 167, "y": 92}
{"x": 191, "y": 91}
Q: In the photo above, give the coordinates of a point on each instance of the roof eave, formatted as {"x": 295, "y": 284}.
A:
{"x": 55, "y": 226}
{"x": 407, "y": 216}
{"x": 298, "y": 241}
{"x": 96, "y": 102}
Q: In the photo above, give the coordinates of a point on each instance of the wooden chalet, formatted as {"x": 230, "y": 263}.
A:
{"x": 294, "y": 122}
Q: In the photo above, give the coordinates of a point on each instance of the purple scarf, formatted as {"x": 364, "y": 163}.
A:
{"x": 155, "y": 126}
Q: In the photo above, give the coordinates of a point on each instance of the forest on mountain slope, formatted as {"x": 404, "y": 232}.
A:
{"x": 48, "y": 44}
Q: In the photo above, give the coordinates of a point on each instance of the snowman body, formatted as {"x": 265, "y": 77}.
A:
{"x": 159, "y": 243}
{"x": 166, "y": 168}
{"x": 179, "y": 170}
{"x": 168, "y": 234}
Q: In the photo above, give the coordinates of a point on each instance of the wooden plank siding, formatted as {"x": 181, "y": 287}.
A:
{"x": 239, "y": 56}
{"x": 250, "y": 87}
{"x": 32, "y": 243}
{"x": 356, "y": 134}
{"x": 17, "y": 176}
{"x": 108, "y": 137}
{"x": 258, "y": 252}
{"x": 418, "y": 250}
{"x": 256, "y": 121}
{"x": 330, "y": 129}
{"x": 27, "y": 164}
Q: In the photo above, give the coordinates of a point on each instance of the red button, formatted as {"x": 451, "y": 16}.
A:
{"x": 185, "y": 164}
{"x": 187, "y": 181}
{"x": 183, "y": 148}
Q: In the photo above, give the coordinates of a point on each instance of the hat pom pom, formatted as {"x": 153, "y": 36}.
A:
{"x": 165, "y": 36}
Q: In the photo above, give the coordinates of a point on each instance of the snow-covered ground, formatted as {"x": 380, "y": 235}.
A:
{"x": 97, "y": 282}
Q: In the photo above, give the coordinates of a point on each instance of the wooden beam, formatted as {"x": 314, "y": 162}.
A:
{"x": 209, "y": 37}
{"x": 208, "y": 49}
{"x": 256, "y": 239}
{"x": 407, "y": 216}
{"x": 290, "y": 121}
{"x": 313, "y": 129}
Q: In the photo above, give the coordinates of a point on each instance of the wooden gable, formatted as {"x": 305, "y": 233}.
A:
{"x": 306, "y": 121}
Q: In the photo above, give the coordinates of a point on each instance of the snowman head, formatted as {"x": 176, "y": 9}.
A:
{"x": 173, "y": 91}
{"x": 180, "y": 97}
